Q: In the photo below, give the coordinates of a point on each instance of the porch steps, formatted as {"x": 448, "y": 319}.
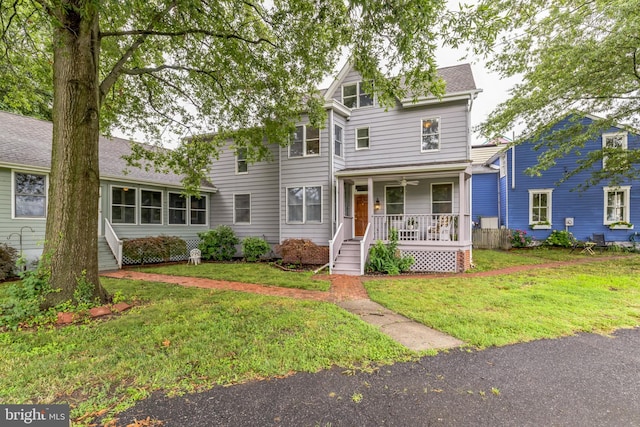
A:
{"x": 348, "y": 261}
{"x": 106, "y": 260}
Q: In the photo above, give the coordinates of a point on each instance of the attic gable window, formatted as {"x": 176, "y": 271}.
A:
{"x": 613, "y": 141}
{"x": 354, "y": 95}
{"x": 305, "y": 141}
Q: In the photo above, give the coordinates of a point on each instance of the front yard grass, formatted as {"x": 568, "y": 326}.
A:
{"x": 256, "y": 273}
{"x": 181, "y": 340}
{"x": 510, "y": 308}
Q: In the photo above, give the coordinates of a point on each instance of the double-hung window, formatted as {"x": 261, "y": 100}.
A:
{"x": 242, "y": 208}
{"x": 613, "y": 141}
{"x": 30, "y": 195}
{"x": 337, "y": 140}
{"x": 540, "y": 207}
{"x": 123, "y": 205}
{"x": 304, "y": 204}
{"x": 241, "y": 161}
{"x": 362, "y": 138}
{"x": 616, "y": 204}
{"x": 187, "y": 210}
{"x": 354, "y": 95}
{"x": 394, "y": 200}
{"x": 150, "y": 207}
{"x": 442, "y": 198}
{"x": 305, "y": 141}
{"x": 430, "y": 135}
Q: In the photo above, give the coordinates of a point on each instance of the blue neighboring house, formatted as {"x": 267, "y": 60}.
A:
{"x": 539, "y": 205}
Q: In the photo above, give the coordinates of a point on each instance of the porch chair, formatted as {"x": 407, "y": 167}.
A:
{"x": 445, "y": 232}
{"x": 600, "y": 242}
{"x": 194, "y": 256}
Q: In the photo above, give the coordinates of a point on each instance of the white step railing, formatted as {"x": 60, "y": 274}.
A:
{"x": 364, "y": 247}
{"x": 115, "y": 244}
{"x": 334, "y": 246}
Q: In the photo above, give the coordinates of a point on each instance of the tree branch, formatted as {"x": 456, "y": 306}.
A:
{"x": 147, "y": 33}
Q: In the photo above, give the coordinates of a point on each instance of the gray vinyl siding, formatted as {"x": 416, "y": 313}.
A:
{"x": 417, "y": 198}
{"x": 261, "y": 182}
{"x": 31, "y": 240}
{"x": 310, "y": 171}
{"x": 395, "y": 135}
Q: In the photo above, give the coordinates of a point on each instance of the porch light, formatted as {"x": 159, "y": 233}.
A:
{"x": 377, "y": 205}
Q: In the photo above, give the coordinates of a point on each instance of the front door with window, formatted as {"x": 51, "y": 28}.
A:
{"x": 361, "y": 214}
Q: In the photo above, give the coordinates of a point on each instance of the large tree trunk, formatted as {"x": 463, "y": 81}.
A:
{"x": 71, "y": 247}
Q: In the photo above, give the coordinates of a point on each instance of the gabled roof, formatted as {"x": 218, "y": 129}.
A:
{"x": 25, "y": 142}
{"x": 458, "y": 78}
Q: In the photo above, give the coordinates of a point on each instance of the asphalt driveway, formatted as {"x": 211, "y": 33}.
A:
{"x": 584, "y": 380}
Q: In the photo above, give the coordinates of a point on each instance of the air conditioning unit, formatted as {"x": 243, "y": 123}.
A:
{"x": 489, "y": 222}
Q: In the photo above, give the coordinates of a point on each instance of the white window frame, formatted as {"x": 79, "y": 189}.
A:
{"x": 452, "y": 198}
{"x": 439, "y": 133}
{"x": 160, "y": 208}
{"x": 625, "y": 137}
{"x": 368, "y": 138}
{"x": 135, "y": 205}
{"x": 235, "y": 217}
{"x": 304, "y": 205}
{"x": 532, "y": 194}
{"x": 386, "y": 201}
{"x": 359, "y": 93}
{"x": 13, "y": 195}
{"x": 305, "y": 151}
{"x": 187, "y": 210}
{"x": 337, "y": 141}
{"x": 243, "y": 160}
{"x": 626, "y": 190}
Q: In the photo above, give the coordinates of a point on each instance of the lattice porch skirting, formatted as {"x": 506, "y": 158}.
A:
{"x": 441, "y": 261}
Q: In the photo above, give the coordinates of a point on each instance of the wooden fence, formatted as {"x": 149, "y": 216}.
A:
{"x": 491, "y": 238}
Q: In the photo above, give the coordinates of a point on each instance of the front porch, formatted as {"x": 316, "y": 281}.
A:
{"x": 429, "y": 207}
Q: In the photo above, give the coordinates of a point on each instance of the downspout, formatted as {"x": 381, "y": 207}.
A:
{"x": 332, "y": 197}
{"x": 279, "y": 194}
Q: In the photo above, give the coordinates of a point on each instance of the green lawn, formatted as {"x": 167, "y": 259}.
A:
{"x": 486, "y": 260}
{"x": 257, "y": 273}
{"x": 181, "y": 340}
{"x": 506, "y": 309}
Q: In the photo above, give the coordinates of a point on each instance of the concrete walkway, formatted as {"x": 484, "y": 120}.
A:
{"x": 345, "y": 291}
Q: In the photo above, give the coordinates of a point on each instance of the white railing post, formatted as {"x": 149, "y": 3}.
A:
{"x": 115, "y": 244}
{"x": 364, "y": 247}
{"x": 334, "y": 246}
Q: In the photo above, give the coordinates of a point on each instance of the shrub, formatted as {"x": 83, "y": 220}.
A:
{"x": 560, "y": 238}
{"x": 254, "y": 248}
{"x": 149, "y": 249}
{"x": 24, "y": 299}
{"x": 519, "y": 239}
{"x": 218, "y": 244}
{"x": 8, "y": 258}
{"x": 302, "y": 251}
{"x": 386, "y": 258}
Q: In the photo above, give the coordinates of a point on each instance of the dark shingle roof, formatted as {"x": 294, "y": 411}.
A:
{"x": 459, "y": 78}
{"x": 26, "y": 142}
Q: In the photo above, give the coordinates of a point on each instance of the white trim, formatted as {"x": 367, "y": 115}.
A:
{"x": 338, "y": 107}
{"x": 605, "y": 135}
{"x": 304, "y": 205}
{"x": 433, "y": 150}
{"x": 403, "y": 170}
{"x": 453, "y": 190}
{"x": 549, "y": 193}
{"x": 13, "y": 195}
{"x": 234, "y": 208}
{"x": 245, "y": 161}
{"x": 135, "y": 205}
{"x": 206, "y": 211}
{"x": 429, "y": 100}
{"x": 187, "y": 210}
{"x": 626, "y": 190}
{"x": 304, "y": 143}
{"x": 328, "y": 95}
{"x": 404, "y": 199}
{"x": 359, "y": 92}
{"x": 151, "y": 207}
{"x": 333, "y": 147}
{"x": 368, "y": 147}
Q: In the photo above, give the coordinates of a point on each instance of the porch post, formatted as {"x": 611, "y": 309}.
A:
{"x": 340, "y": 201}
{"x": 370, "y": 199}
{"x": 462, "y": 229}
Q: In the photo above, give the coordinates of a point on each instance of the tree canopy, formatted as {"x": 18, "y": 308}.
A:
{"x": 573, "y": 56}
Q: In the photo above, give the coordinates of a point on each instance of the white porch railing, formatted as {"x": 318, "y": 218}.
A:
{"x": 366, "y": 241}
{"x": 418, "y": 227}
{"x": 113, "y": 241}
{"x": 334, "y": 246}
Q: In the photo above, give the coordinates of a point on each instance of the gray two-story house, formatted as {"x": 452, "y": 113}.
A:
{"x": 366, "y": 172}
